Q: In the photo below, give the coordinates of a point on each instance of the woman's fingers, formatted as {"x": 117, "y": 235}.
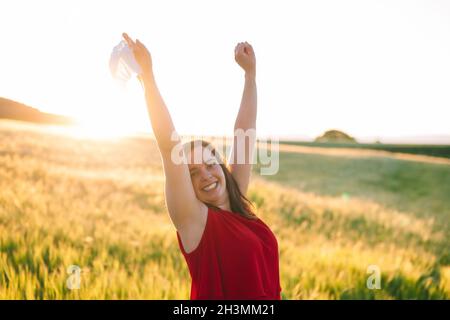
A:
{"x": 243, "y": 47}
{"x": 139, "y": 44}
{"x": 238, "y": 49}
{"x": 129, "y": 41}
{"x": 249, "y": 46}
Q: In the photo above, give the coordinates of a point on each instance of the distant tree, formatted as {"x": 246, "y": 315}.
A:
{"x": 335, "y": 136}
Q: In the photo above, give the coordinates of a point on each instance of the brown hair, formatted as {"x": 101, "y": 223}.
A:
{"x": 238, "y": 202}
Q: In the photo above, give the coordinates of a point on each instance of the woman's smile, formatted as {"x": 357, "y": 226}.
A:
{"x": 210, "y": 186}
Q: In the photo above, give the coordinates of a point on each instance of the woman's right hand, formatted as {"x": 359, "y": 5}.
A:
{"x": 142, "y": 56}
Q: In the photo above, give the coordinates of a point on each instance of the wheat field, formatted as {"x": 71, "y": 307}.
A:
{"x": 99, "y": 205}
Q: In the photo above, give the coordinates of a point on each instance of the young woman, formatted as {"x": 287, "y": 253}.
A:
{"x": 230, "y": 252}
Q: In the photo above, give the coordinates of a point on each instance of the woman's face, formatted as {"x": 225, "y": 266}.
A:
{"x": 208, "y": 178}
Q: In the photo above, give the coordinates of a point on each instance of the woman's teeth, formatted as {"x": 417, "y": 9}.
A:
{"x": 210, "y": 186}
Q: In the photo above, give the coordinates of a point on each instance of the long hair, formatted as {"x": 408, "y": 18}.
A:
{"x": 238, "y": 202}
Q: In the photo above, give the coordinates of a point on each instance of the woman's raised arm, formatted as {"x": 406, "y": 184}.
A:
{"x": 183, "y": 206}
{"x": 245, "y": 126}
{"x": 159, "y": 115}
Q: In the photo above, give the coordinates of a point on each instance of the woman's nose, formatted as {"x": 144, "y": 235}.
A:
{"x": 205, "y": 174}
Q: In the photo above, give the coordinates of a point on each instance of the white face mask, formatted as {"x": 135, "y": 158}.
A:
{"x": 122, "y": 63}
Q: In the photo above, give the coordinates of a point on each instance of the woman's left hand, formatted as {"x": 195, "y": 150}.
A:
{"x": 245, "y": 57}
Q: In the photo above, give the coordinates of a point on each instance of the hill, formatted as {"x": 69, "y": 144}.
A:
{"x": 14, "y": 110}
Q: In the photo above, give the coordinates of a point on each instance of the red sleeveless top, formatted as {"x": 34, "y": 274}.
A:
{"x": 236, "y": 258}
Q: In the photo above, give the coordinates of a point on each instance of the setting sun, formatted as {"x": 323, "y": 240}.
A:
{"x": 122, "y": 112}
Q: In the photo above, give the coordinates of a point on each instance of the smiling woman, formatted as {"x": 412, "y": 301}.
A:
{"x": 230, "y": 252}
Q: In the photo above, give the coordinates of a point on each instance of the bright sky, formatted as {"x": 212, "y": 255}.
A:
{"x": 369, "y": 68}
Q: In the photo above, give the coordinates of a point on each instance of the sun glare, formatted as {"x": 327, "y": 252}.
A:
{"x": 119, "y": 112}
{"x": 104, "y": 130}
{"x": 113, "y": 113}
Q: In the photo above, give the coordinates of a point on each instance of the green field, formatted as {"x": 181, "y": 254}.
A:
{"x": 424, "y": 149}
{"x": 99, "y": 204}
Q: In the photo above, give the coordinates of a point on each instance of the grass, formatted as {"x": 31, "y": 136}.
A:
{"x": 99, "y": 205}
{"x": 419, "y": 149}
